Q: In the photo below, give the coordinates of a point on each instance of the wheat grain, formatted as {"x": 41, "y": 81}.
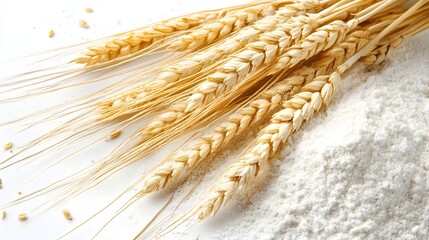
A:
{"x": 89, "y": 10}
{"x": 8, "y": 145}
{"x": 83, "y": 23}
{"x": 115, "y": 134}
{"x": 51, "y": 33}
{"x": 22, "y": 217}
{"x": 67, "y": 214}
{"x": 202, "y": 59}
{"x": 209, "y": 33}
{"x": 3, "y": 214}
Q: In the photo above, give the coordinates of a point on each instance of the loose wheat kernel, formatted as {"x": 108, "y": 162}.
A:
{"x": 3, "y": 214}
{"x": 67, "y": 214}
{"x": 8, "y": 146}
{"x": 51, "y": 33}
{"x": 89, "y": 10}
{"x": 115, "y": 134}
{"x": 83, "y": 24}
{"x": 22, "y": 217}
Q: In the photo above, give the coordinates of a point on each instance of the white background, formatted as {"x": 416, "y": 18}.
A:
{"x": 24, "y": 28}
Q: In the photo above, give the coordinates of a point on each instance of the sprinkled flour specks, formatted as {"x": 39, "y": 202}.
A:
{"x": 359, "y": 170}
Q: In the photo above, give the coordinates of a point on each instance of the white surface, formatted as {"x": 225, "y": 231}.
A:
{"x": 401, "y": 144}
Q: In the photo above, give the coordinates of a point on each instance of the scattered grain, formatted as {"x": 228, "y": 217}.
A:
{"x": 115, "y": 134}
{"x": 1, "y": 184}
{"x": 22, "y": 217}
{"x": 67, "y": 214}
{"x": 83, "y": 23}
{"x": 89, "y": 10}
{"x": 8, "y": 145}
{"x": 3, "y": 214}
{"x": 51, "y": 33}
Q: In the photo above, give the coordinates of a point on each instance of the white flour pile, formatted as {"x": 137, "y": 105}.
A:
{"x": 360, "y": 170}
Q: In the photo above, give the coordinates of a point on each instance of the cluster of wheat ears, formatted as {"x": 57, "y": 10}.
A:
{"x": 267, "y": 64}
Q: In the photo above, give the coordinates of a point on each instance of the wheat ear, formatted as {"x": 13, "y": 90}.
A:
{"x": 283, "y": 123}
{"x": 296, "y": 110}
{"x": 325, "y": 36}
{"x": 200, "y": 60}
{"x": 172, "y": 167}
{"x": 154, "y": 135}
{"x": 163, "y": 175}
{"x": 235, "y": 71}
{"x": 414, "y": 26}
{"x": 379, "y": 55}
{"x": 262, "y": 53}
{"x": 209, "y": 33}
{"x": 137, "y": 40}
{"x": 134, "y": 41}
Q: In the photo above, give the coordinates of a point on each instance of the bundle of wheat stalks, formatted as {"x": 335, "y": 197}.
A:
{"x": 235, "y": 68}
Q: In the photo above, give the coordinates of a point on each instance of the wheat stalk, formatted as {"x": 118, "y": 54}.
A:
{"x": 209, "y": 33}
{"x": 200, "y": 60}
{"x": 171, "y": 168}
